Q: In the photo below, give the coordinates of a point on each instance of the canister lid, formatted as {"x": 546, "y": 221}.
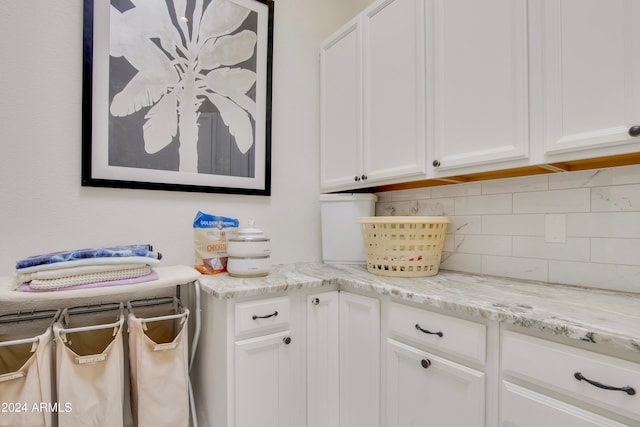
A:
{"x": 250, "y": 232}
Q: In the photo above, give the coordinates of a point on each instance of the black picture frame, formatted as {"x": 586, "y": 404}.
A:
{"x": 136, "y": 142}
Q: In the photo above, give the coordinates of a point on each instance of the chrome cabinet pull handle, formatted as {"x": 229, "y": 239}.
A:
{"x": 315, "y": 301}
{"x": 274, "y": 314}
{"x": 629, "y": 390}
{"x": 440, "y": 334}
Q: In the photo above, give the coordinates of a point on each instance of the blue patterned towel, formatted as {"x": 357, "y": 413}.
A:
{"x": 114, "y": 251}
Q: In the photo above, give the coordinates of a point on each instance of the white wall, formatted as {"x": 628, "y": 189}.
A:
{"x": 44, "y": 208}
{"x": 498, "y": 227}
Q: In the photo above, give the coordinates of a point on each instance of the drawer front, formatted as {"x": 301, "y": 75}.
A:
{"x": 555, "y": 366}
{"x": 262, "y": 315}
{"x": 449, "y": 334}
{"x": 525, "y": 408}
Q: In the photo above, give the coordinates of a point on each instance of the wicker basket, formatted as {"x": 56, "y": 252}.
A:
{"x": 403, "y": 246}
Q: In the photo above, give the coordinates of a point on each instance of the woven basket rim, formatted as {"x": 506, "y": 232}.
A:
{"x": 402, "y": 219}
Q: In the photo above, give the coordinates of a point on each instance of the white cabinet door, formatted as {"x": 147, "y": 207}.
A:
{"x": 340, "y": 109}
{"x": 263, "y": 381}
{"x": 359, "y": 361}
{"x": 426, "y": 390}
{"x": 477, "y": 83}
{"x": 590, "y": 76}
{"x": 394, "y": 98}
{"x": 525, "y": 408}
{"x": 323, "y": 370}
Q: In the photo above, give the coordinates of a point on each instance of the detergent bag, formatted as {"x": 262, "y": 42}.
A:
{"x": 210, "y": 235}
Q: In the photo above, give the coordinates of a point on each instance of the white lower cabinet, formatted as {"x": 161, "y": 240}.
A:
{"x": 263, "y": 380}
{"x": 359, "y": 361}
{"x": 247, "y": 369}
{"x": 522, "y": 407}
{"x": 424, "y": 389}
{"x": 315, "y": 359}
{"x": 560, "y": 385}
{"x": 323, "y": 359}
{"x": 434, "y": 369}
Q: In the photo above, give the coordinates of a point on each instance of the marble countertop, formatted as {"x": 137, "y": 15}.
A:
{"x": 598, "y": 316}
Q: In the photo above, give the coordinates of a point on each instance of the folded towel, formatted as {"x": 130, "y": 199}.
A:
{"x": 83, "y": 279}
{"x": 109, "y": 252}
{"x": 74, "y": 271}
{"x": 90, "y": 261}
{"x": 148, "y": 278}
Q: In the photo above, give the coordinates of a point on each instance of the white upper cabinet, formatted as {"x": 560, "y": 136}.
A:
{"x": 415, "y": 89}
{"x": 372, "y": 98}
{"x": 340, "y": 108}
{"x": 477, "y": 83}
{"x": 590, "y": 77}
{"x": 394, "y": 97}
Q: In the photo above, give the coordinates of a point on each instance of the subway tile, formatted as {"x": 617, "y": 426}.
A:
{"x": 483, "y": 205}
{"x": 396, "y": 208}
{"x": 517, "y": 268}
{"x": 449, "y": 243}
{"x": 615, "y": 251}
{"x": 514, "y": 225}
{"x": 516, "y": 185}
{"x": 484, "y": 245}
{"x": 412, "y": 194}
{"x": 618, "y": 198}
{"x": 465, "y": 225}
{"x": 575, "y": 249}
{"x": 436, "y": 207}
{"x": 596, "y": 177}
{"x": 604, "y": 224}
{"x": 384, "y": 196}
{"x": 605, "y": 276}
{"x": 560, "y": 201}
{"x": 456, "y": 190}
{"x": 468, "y": 263}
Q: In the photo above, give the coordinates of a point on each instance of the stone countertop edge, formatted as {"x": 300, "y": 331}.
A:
{"x": 602, "y": 317}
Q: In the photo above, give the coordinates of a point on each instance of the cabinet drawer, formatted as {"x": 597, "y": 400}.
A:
{"x": 525, "y": 408}
{"x": 452, "y": 335}
{"x": 555, "y": 366}
{"x": 262, "y": 315}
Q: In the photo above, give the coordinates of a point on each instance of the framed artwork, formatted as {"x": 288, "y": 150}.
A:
{"x": 177, "y": 95}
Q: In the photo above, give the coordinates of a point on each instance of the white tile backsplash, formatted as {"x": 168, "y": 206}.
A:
{"x": 461, "y": 224}
{"x": 575, "y": 249}
{"x": 608, "y": 276}
{"x": 613, "y": 199}
{"x": 595, "y": 178}
{"x": 436, "y": 207}
{"x": 615, "y": 251}
{"x": 498, "y": 226}
{"x": 480, "y": 205}
{"x": 468, "y": 263}
{"x": 513, "y": 225}
{"x": 484, "y": 245}
{"x": 473, "y": 189}
{"x": 614, "y": 224}
{"x": 553, "y": 201}
{"x": 516, "y": 185}
{"x": 519, "y": 268}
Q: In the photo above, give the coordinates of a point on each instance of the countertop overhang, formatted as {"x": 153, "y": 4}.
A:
{"x": 602, "y": 317}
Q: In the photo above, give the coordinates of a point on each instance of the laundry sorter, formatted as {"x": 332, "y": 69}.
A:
{"x": 102, "y": 363}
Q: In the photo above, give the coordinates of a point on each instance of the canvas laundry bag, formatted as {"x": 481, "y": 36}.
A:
{"x": 26, "y": 382}
{"x": 90, "y": 372}
{"x": 158, "y": 356}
